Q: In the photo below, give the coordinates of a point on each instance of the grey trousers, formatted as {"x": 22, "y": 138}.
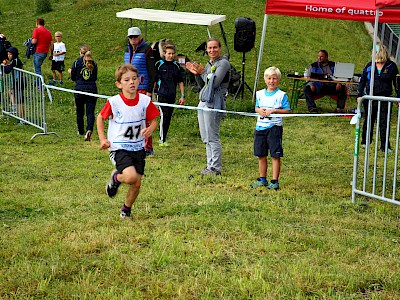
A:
{"x": 209, "y": 123}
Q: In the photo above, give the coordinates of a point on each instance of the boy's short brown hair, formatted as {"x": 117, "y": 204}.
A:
{"x": 124, "y": 68}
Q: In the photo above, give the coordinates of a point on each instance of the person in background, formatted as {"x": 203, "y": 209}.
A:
{"x": 169, "y": 74}
{"x": 57, "y": 63}
{"x": 323, "y": 66}
{"x": 384, "y": 81}
{"x": 140, "y": 55}
{"x": 127, "y": 115}
{"x": 17, "y": 83}
{"x": 4, "y": 45}
{"x": 214, "y": 81}
{"x": 84, "y": 73}
{"x": 42, "y": 38}
{"x": 268, "y": 132}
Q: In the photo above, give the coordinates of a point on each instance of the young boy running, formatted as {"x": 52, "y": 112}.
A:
{"x": 127, "y": 114}
{"x": 268, "y": 133}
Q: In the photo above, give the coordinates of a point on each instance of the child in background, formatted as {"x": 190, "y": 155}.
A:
{"x": 84, "y": 73}
{"x": 268, "y": 132}
{"x": 127, "y": 114}
{"x": 57, "y": 63}
{"x": 17, "y": 83}
{"x": 169, "y": 74}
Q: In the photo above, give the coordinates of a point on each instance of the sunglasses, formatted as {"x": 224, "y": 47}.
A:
{"x": 133, "y": 36}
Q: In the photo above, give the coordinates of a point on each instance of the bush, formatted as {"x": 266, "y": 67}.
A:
{"x": 43, "y": 6}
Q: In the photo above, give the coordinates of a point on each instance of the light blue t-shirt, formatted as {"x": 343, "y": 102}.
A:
{"x": 270, "y": 100}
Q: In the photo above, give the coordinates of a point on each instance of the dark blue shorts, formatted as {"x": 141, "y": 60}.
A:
{"x": 268, "y": 139}
{"x": 124, "y": 159}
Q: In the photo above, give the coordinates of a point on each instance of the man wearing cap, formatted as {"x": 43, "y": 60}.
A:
{"x": 140, "y": 54}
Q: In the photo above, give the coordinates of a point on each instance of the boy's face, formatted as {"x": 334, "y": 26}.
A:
{"x": 58, "y": 38}
{"x": 169, "y": 55}
{"x": 10, "y": 55}
{"x": 272, "y": 82}
{"x": 129, "y": 83}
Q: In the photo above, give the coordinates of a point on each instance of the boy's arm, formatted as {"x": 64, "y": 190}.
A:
{"x": 284, "y": 109}
{"x": 152, "y": 113}
{"x": 148, "y": 131}
{"x": 182, "y": 89}
{"x": 104, "y": 142}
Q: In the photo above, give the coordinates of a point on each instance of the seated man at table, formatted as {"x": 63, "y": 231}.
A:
{"x": 314, "y": 88}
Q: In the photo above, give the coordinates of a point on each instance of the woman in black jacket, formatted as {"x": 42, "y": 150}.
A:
{"x": 84, "y": 73}
{"x": 384, "y": 80}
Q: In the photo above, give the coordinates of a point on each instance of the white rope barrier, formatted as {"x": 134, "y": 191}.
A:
{"x": 247, "y": 114}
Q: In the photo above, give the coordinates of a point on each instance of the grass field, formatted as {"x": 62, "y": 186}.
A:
{"x": 191, "y": 237}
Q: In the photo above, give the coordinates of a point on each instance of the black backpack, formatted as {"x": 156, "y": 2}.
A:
{"x": 4, "y": 45}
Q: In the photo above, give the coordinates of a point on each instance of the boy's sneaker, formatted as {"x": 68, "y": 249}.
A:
{"x": 61, "y": 82}
{"x": 125, "y": 214}
{"x": 273, "y": 186}
{"x": 88, "y": 135}
{"x": 112, "y": 185}
{"x": 259, "y": 183}
{"x": 53, "y": 82}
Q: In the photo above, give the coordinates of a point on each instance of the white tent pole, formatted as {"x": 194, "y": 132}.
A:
{"x": 371, "y": 87}
{"x": 260, "y": 56}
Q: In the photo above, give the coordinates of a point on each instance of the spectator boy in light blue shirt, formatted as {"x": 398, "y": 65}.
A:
{"x": 268, "y": 132}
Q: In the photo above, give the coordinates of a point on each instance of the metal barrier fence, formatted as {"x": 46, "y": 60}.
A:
{"x": 378, "y": 171}
{"x": 390, "y": 39}
{"x": 22, "y": 95}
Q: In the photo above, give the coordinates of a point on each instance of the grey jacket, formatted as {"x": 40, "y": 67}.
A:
{"x": 214, "y": 83}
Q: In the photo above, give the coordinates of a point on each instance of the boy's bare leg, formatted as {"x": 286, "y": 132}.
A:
{"x": 131, "y": 177}
{"x": 276, "y": 167}
{"x": 263, "y": 166}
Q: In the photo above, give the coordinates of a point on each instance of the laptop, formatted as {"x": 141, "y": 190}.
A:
{"x": 343, "y": 71}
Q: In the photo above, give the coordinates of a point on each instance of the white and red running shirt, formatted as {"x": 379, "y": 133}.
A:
{"x": 127, "y": 117}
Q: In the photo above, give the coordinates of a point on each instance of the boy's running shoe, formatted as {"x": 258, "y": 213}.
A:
{"x": 125, "y": 214}
{"x": 273, "y": 186}
{"x": 53, "y": 82}
{"x": 259, "y": 183}
{"x": 112, "y": 185}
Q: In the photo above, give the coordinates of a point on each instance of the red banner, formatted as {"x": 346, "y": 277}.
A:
{"x": 355, "y": 10}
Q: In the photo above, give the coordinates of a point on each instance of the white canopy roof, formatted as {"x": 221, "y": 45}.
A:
{"x": 171, "y": 16}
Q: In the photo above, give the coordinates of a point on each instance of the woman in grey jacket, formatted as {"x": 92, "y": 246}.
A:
{"x": 214, "y": 81}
